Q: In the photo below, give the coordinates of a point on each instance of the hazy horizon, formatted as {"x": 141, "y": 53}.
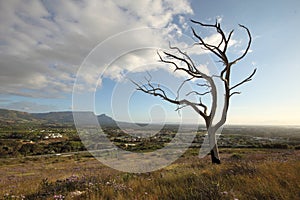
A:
{"x": 167, "y": 123}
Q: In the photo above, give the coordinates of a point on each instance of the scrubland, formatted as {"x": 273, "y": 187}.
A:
{"x": 243, "y": 174}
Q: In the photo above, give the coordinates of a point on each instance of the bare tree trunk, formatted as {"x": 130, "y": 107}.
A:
{"x": 214, "y": 151}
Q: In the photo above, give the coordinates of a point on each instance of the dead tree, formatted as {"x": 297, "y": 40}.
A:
{"x": 207, "y": 112}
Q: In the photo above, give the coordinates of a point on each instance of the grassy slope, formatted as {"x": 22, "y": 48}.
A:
{"x": 244, "y": 174}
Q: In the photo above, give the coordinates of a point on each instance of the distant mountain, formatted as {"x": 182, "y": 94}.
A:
{"x": 55, "y": 117}
{"x": 65, "y": 117}
{"x": 15, "y": 116}
{"x": 105, "y": 120}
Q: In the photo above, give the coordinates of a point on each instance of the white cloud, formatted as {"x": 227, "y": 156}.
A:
{"x": 243, "y": 51}
{"x": 42, "y": 43}
{"x": 183, "y": 23}
{"x": 213, "y": 39}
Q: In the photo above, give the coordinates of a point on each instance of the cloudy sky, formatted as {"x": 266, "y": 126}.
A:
{"x": 46, "y": 45}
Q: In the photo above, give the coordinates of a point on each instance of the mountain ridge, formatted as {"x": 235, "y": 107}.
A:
{"x": 61, "y": 117}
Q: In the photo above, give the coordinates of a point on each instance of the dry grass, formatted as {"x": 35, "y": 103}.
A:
{"x": 244, "y": 174}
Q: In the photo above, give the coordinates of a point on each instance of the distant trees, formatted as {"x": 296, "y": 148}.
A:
{"x": 207, "y": 112}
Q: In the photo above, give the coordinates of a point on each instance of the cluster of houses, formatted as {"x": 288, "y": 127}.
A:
{"x": 53, "y": 136}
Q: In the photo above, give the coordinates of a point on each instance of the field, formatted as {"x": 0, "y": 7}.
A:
{"x": 244, "y": 174}
{"x": 49, "y": 161}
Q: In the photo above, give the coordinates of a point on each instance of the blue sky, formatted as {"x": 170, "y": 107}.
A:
{"x": 43, "y": 44}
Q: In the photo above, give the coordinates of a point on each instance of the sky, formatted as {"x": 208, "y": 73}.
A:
{"x": 50, "y": 48}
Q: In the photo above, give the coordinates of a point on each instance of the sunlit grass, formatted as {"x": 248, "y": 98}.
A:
{"x": 244, "y": 174}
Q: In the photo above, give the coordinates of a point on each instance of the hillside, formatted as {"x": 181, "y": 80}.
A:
{"x": 65, "y": 117}
{"x": 15, "y": 116}
{"x": 244, "y": 174}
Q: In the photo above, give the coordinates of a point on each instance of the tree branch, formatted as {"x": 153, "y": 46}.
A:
{"x": 227, "y": 41}
{"x": 203, "y": 106}
{"x": 177, "y": 67}
{"x": 198, "y": 93}
{"x": 217, "y": 26}
{"x": 248, "y": 45}
{"x": 156, "y": 91}
{"x": 234, "y": 93}
{"x": 209, "y": 47}
{"x": 249, "y": 78}
{"x": 191, "y": 66}
{"x": 181, "y": 85}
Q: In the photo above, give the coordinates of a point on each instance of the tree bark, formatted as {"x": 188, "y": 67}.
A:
{"x": 214, "y": 151}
